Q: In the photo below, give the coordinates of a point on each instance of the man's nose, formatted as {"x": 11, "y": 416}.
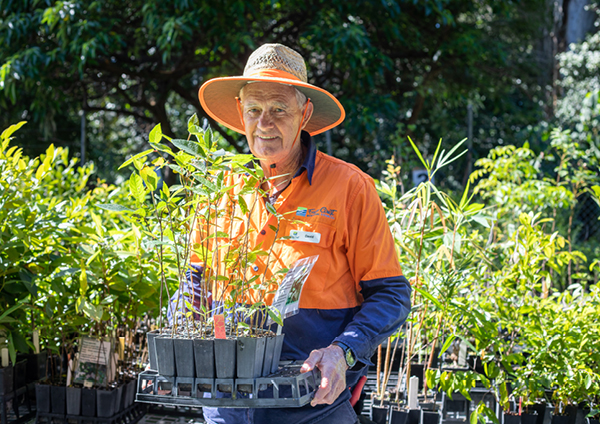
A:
{"x": 265, "y": 120}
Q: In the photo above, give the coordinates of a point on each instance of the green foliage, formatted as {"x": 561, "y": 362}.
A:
{"x": 66, "y": 267}
{"x": 399, "y": 67}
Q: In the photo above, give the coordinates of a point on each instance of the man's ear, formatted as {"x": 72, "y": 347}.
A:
{"x": 308, "y": 114}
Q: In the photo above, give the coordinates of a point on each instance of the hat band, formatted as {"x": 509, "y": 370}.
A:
{"x": 274, "y": 73}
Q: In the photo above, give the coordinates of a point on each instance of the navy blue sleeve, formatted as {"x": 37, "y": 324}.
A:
{"x": 385, "y": 308}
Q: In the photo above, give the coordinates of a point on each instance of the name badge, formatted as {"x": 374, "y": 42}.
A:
{"x": 298, "y": 235}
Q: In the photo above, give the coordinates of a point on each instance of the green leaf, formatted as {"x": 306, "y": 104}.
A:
{"x": 447, "y": 343}
{"x": 136, "y": 187}
{"x": 430, "y": 297}
{"x": 136, "y": 157}
{"x": 190, "y": 147}
{"x": 156, "y": 134}
{"x": 10, "y": 130}
{"x": 193, "y": 122}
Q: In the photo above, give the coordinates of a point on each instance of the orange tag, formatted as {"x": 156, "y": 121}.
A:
{"x": 219, "y": 321}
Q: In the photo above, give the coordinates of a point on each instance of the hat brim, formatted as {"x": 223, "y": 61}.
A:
{"x": 217, "y": 97}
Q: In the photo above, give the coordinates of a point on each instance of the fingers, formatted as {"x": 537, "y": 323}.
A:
{"x": 312, "y": 361}
{"x": 332, "y": 365}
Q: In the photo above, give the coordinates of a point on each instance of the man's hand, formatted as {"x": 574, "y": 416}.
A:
{"x": 332, "y": 365}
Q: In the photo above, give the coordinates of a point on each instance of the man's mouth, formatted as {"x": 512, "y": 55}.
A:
{"x": 266, "y": 137}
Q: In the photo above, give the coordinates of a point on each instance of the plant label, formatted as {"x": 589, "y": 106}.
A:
{"x": 287, "y": 298}
{"x": 93, "y": 363}
{"x": 219, "y": 321}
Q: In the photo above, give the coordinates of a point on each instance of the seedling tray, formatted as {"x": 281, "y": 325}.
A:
{"x": 286, "y": 388}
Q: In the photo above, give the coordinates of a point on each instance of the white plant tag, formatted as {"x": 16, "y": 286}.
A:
{"x": 305, "y": 236}
{"x": 287, "y": 298}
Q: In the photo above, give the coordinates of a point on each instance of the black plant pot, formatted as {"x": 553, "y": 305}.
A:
{"x": 272, "y": 354}
{"x": 225, "y": 353}
{"x": 150, "y": 336}
{"x": 58, "y": 396}
{"x": 511, "y": 419}
{"x": 118, "y": 399}
{"x": 106, "y": 400}
{"x": 73, "y": 401}
{"x": 379, "y": 414}
{"x": 130, "y": 390}
{"x": 430, "y": 417}
{"x": 204, "y": 358}
{"x": 6, "y": 380}
{"x": 42, "y": 396}
{"x": 184, "y": 357}
{"x": 529, "y": 418}
{"x": 36, "y": 366}
{"x": 165, "y": 356}
{"x": 398, "y": 416}
{"x": 416, "y": 370}
{"x": 475, "y": 364}
{"x": 593, "y": 421}
{"x": 414, "y": 416}
{"x": 20, "y": 374}
{"x": 560, "y": 419}
{"x": 88, "y": 402}
{"x": 250, "y": 356}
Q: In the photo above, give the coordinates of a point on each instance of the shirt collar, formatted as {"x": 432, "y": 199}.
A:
{"x": 310, "y": 158}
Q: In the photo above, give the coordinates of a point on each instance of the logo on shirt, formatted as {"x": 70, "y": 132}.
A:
{"x": 327, "y": 213}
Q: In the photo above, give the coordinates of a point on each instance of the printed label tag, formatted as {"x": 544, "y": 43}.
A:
{"x": 305, "y": 236}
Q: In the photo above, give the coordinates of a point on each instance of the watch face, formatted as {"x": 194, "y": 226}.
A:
{"x": 350, "y": 358}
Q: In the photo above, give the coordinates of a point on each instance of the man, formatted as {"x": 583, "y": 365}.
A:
{"x": 355, "y": 295}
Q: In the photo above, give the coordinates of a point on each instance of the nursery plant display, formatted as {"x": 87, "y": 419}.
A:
{"x": 218, "y": 330}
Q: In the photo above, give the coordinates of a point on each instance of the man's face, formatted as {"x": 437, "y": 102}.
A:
{"x": 272, "y": 117}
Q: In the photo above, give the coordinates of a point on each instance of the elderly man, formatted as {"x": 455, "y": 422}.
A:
{"x": 355, "y": 295}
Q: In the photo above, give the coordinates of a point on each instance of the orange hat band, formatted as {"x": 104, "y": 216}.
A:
{"x": 274, "y": 73}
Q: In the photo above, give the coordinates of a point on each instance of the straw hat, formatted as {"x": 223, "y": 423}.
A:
{"x": 270, "y": 63}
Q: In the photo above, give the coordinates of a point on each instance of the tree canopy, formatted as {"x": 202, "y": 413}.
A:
{"x": 399, "y": 67}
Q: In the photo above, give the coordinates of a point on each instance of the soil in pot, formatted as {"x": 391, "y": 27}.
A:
{"x": 106, "y": 402}
{"x": 379, "y": 414}
{"x": 150, "y": 336}
{"x": 58, "y": 399}
{"x": 225, "y": 357}
{"x": 42, "y": 396}
{"x": 165, "y": 356}
{"x": 250, "y": 355}
{"x": 6, "y": 380}
{"x": 88, "y": 402}
{"x": 204, "y": 358}
{"x": 398, "y": 416}
{"x": 184, "y": 357}
{"x": 73, "y": 400}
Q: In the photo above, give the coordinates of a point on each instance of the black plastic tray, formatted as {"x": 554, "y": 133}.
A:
{"x": 287, "y": 388}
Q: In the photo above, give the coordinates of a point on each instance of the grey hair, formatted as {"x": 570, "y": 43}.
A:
{"x": 300, "y": 96}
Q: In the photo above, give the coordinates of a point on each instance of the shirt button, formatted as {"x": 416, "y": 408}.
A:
{"x": 263, "y": 232}
{"x": 255, "y": 268}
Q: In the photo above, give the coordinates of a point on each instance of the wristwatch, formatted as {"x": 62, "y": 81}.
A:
{"x": 348, "y": 354}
